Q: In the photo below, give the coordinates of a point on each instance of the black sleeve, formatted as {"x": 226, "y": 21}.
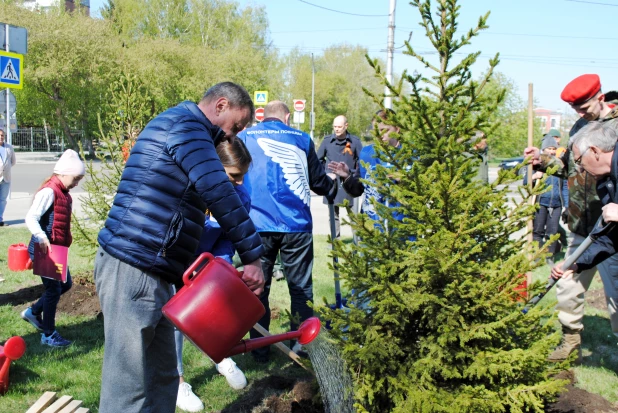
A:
{"x": 319, "y": 182}
{"x": 598, "y": 251}
{"x": 353, "y": 186}
{"x": 322, "y": 153}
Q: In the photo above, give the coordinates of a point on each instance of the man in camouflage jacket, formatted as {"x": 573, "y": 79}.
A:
{"x": 585, "y": 97}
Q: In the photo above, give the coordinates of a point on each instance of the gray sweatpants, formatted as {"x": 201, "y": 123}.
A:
{"x": 139, "y": 364}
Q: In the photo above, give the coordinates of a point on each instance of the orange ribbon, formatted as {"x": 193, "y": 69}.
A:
{"x": 348, "y": 149}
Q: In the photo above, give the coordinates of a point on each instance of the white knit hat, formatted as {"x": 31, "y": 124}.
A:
{"x": 70, "y": 164}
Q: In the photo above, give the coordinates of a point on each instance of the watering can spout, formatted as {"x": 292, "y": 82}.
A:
{"x": 305, "y": 334}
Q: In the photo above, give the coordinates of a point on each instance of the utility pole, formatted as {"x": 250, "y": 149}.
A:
{"x": 312, "y": 116}
{"x": 388, "y": 100}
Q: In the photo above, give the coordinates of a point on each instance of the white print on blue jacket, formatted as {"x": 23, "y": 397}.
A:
{"x": 293, "y": 163}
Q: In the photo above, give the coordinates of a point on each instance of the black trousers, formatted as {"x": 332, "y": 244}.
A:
{"x": 545, "y": 224}
{"x": 296, "y": 250}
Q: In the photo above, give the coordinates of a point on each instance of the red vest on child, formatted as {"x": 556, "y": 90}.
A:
{"x": 63, "y": 205}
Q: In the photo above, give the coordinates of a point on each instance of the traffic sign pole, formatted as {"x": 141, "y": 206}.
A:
{"x": 7, "y": 132}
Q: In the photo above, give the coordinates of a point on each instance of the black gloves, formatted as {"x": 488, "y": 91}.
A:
{"x": 565, "y": 216}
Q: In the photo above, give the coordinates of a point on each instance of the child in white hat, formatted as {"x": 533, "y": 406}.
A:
{"x": 49, "y": 221}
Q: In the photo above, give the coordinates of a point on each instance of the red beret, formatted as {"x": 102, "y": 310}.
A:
{"x": 580, "y": 89}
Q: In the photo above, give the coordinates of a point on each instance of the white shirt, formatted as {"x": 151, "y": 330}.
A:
{"x": 43, "y": 200}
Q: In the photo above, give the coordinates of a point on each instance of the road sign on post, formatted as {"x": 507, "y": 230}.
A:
{"x": 11, "y": 65}
{"x": 299, "y": 117}
{"x": 18, "y": 37}
{"x": 299, "y": 105}
{"x": 12, "y": 102}
{"x": 260, "y": 97}
{"x": 259, "y": 114}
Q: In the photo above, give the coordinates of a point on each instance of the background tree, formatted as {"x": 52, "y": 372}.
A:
{"x": 67, "y": 69}
{"x": 127, "y": 113}
{"x": 442, "y": 330}
{"x": 510, "y": 136}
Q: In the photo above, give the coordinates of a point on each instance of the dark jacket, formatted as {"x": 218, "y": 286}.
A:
{"x": 333, "y": 149}
{"x": 604, "y": 246}
{"x": 557, "y": 196}
{"x": 172, "y": 176}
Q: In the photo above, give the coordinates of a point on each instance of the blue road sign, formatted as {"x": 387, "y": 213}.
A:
{"x": 11, "y": 70}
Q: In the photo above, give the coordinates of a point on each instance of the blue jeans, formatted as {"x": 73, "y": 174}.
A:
{"x": 4, "y": 194}
{"x": 49, "y": 301}
{"x": 139, "y": 364}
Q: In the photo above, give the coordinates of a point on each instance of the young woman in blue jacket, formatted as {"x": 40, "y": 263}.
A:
{"x": 236, "y": 160}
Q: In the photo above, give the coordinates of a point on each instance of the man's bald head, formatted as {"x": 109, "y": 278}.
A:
{"x": 277, "y": 109}
{"x": 340, "y": 126}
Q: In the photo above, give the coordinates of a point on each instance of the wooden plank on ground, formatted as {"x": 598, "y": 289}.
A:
{"x": 58, "y": 404}
{"x": 71, "y": 407}
{"x": 82, "y": 410}
{"x": 44, "y": 401}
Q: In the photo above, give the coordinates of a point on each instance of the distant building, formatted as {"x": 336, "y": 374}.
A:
{"x": 550, "y": 119}
{"x": 69, "y": 5}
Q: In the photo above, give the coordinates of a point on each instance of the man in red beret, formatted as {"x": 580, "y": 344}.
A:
{"x": 586, "y": 98}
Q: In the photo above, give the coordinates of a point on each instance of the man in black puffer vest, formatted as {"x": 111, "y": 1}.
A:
{"x": 150, "y": 237}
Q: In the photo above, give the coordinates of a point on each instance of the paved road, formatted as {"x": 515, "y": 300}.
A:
{"x": 28, "y": 175}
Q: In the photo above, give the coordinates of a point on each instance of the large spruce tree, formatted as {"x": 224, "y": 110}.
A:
{"x": 442, "y": 329}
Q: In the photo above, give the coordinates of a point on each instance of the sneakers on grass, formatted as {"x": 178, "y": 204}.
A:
{"x": 55, "y": 340}
{"x": 234, "y": 376}
{"x": 35, "y": 320}
{"x": 187, "y": 400}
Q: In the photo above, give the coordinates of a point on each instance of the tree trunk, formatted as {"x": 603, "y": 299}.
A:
{"x": 63, "y": 122}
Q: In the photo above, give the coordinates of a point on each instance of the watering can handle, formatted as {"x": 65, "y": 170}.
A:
{"x": 205, "y": 256}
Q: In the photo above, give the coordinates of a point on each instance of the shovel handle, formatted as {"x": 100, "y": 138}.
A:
{"x": 282, "y": 347}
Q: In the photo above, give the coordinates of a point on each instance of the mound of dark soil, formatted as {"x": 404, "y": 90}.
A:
{"x": 81, "y": 299}
{"x": 276, "y": 394}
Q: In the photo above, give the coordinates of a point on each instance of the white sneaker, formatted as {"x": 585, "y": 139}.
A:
{"x": 300, "y": 350}
{"x": 187, "y": 400}
{"x": 234, "y": 376}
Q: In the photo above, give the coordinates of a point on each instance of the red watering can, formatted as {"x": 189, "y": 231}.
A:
{"x": 18, "y": 257}
{"x": 13, "y": 349}
{"x": 215, "y": 309}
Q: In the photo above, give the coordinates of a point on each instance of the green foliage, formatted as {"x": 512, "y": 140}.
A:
{"x": 127, "y": 114}
{"x": 175, "y": 49}
{"x": 510, "y": 136}
{"x": 69, "y": 62}
{"x": 443, "y": 330}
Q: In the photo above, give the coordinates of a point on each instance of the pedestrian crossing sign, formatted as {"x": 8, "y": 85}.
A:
{"x": 11, "y": 65}
{"x": 260, "y": 97}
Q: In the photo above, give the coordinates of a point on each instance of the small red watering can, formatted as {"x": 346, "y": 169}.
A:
{"x": 215, "y": 309}
{"x": 13, "y": 349}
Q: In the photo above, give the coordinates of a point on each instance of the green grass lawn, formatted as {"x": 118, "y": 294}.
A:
{"x": 76, "y": 371}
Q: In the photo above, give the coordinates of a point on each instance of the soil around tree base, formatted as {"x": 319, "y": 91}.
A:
{"x": 276, "y": 394}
